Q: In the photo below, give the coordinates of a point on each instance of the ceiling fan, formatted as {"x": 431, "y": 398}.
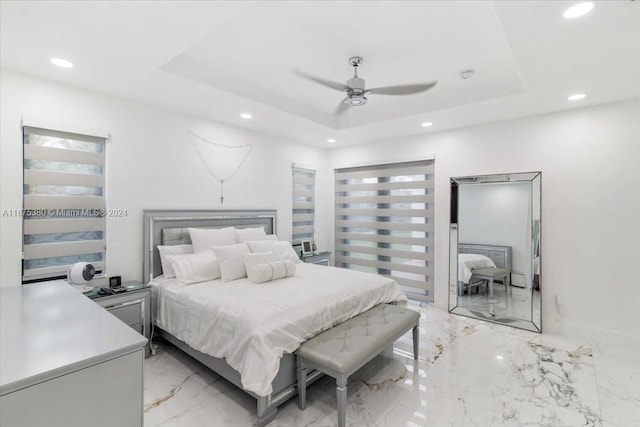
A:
{"x": 355, "y": 88}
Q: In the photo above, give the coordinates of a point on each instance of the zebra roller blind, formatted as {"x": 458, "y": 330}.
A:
{"x": 64, "y": 202}
{"x": 304, "y": 185}
{"x": 384, "y": 222}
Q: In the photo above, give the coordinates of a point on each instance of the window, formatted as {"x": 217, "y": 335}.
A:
{"x": 304, "y": 184}
{"x": 384, "y": 223}
{"x": 64, "y": 203}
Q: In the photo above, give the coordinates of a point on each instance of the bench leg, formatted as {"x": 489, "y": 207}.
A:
{"x": 416, "y": 337}
{"x": 302, "y": 383}
{"x": 341, "y": 394}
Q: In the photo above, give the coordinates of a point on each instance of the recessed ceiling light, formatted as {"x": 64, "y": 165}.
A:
{"x": 426, "y": 124}
{"x": 61, "y": 62}
{"x": 331, "y": 141}
{"x": 499, "y": 357}
{"x": 576, "y": 97}
{"x": 246, "y": 116}
{"x": 578, "y": 10}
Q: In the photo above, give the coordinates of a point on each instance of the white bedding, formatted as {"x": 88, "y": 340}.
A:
{"x": 467, "y": 262}
{"x": 253, "y": 325}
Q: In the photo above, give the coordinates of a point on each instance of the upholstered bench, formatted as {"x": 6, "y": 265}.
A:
{"x": 490, "y": 274}
{"x": 345, "y": 348}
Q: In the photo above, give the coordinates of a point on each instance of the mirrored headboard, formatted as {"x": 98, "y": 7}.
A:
{"x": 170, "y": 227}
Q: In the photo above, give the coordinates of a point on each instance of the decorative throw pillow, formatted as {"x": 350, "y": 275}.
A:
{"x": 268, "y": 271}
{"x": 231, "y": 259}
{"x": 167, "y": 269}
{"x": 282, "y": 249}
{"x": 244, "y": 234}
{"x": 195, "y": 268}
{"x": 204, "y": 238}
{"x": 257, "y": 246}
{"x": 253, "y": 259}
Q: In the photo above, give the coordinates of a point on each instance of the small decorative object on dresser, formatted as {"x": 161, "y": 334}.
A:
{"x": 306, "y": 247}
{"x": 81, "y": 273}
{"x": 115, "y": 282}
{"x": 321, "y": 258}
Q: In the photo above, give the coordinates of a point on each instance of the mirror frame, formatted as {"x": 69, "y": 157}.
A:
{"x": 529, "y": 325}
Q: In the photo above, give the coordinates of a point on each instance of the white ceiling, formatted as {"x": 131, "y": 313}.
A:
{"x": 218, "y": 59}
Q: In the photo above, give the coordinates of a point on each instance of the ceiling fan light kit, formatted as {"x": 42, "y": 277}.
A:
{"x": 356, "y": 89}
{"x": 355, "y": 100}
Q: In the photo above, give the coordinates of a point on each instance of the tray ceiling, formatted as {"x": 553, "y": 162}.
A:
{"x": 218, "y": 59}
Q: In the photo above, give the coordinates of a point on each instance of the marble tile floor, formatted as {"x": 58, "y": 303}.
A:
{"x": 469, "y": 373}
{"x": 515, "y": 303}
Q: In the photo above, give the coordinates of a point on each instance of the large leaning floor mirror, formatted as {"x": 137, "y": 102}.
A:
{"x": 495, "y": 266}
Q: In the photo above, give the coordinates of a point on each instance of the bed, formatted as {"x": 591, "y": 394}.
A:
{"x": 476, "y": 256}
{"x": 247, "y": 332}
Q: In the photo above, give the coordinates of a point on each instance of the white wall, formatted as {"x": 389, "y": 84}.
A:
{"x": 150, "y": 165}
{"x": 590, "y": 163}
{"x": 498, "y": 214}
{"x": 589, "y": 160}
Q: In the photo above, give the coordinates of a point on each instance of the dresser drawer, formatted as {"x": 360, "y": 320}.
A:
{"x": 129, "y": 313}
{"x": 132, "y": 306}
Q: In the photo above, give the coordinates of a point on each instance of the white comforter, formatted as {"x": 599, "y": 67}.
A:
{"x": 468, "y": 262}
{"x": 252, "y": 325}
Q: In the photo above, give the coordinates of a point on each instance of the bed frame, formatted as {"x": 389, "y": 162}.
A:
{"x": 169, "y": 227}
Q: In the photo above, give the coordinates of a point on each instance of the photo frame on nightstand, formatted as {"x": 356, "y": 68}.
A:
{"x": 307, "y": 248}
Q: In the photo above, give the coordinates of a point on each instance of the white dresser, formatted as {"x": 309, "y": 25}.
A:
{"x": 65, "y": 361}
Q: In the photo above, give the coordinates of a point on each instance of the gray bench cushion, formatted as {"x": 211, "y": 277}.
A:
{"x": 489, "y": 272}
{"x": 350, "y": 344}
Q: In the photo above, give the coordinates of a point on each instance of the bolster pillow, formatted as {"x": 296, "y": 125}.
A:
{"x": 268, "y": 271}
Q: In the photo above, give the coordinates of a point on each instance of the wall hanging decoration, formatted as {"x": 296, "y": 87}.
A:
{"x": 221, "y": 161}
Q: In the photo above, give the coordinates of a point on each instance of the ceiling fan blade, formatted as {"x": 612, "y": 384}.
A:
{"x": 342, "y": 107}
{"x": 333, "y": 85}
{"x": 402, "y": 90}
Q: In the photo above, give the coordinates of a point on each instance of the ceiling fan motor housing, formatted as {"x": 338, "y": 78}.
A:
{"x": 357, "y": 84}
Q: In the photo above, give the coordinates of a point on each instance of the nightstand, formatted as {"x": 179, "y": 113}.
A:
{"x": 321, "y": 258}
{"x": 132, "y": 306}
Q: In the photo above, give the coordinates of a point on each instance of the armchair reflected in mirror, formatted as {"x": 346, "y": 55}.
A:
{"x": 495, "y": 254}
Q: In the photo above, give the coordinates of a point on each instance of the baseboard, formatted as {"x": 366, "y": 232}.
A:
{"x": 597, "y": 336}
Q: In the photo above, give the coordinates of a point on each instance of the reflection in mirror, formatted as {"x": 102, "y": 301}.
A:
{"x": 495, "y": 238}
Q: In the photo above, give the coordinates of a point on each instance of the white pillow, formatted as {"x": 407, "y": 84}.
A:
{"x": 271, "y": 237}
{"x": 167, "y": 269}
{"x": 253, "y": 259}
{"x": 204, "y": 238}
{"x": 244, "y": 234}
{"x": 256, "y": 246}
{"x": 231, "y": 259}
{"x": 195, "y": 268}
{"x": 268, "y": 271}
{"x": 282, "y": 249}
